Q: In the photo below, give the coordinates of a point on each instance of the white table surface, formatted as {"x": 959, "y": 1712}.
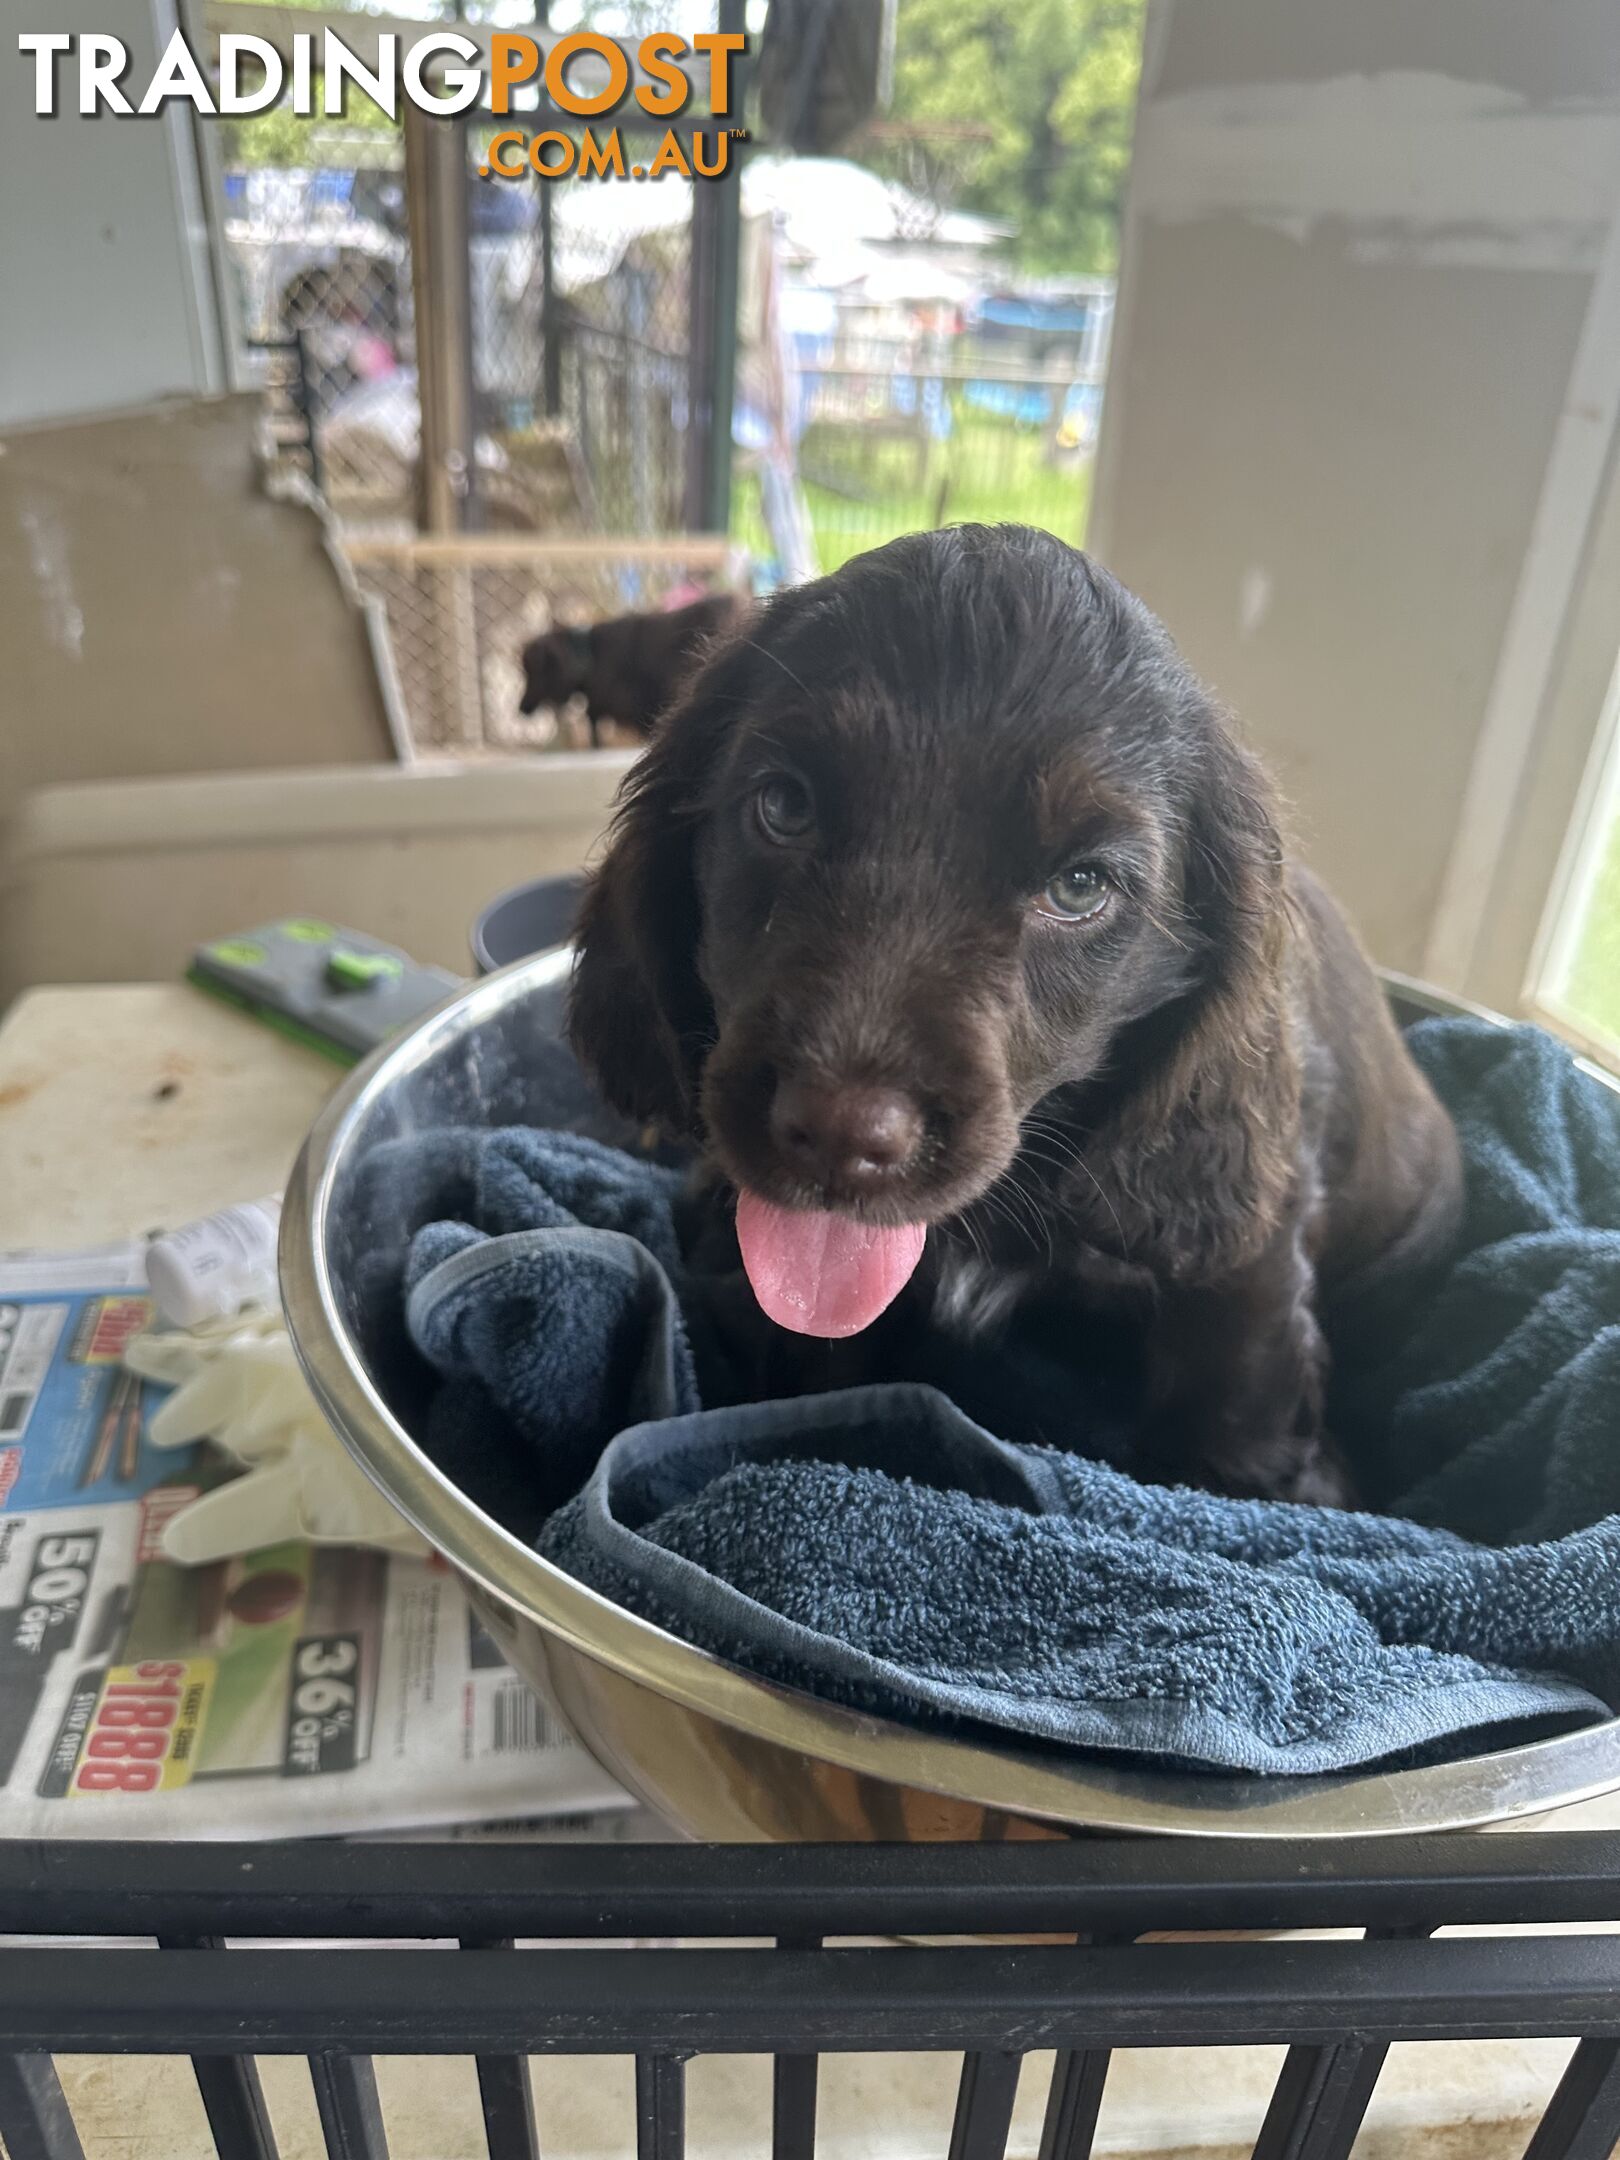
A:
{"x": 131, "y": 1107}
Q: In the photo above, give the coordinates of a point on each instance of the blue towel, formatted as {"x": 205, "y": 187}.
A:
{"x": 880, "y": 1547}
{"x": 1493, "y": 1407}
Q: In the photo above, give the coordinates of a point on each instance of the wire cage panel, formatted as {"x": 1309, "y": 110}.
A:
{"x": 461, "y": 609}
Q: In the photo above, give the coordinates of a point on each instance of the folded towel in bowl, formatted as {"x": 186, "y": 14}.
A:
{"x": 881, "y": 1548}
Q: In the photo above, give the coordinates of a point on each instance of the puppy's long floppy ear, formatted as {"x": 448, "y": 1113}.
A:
{"x": 1212, "y": 1140}
{"x": 639, "y": 1016}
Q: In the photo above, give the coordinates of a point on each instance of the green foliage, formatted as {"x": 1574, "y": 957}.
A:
{"x": 1592, "y": 992}
{"x": 1053, "y": 84}
{"x": 364, "y": 136}
{"x": 281, "y": 137}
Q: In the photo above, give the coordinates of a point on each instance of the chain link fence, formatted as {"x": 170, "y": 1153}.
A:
{"x": 581, "y": 340}
{"x": 319, "y": 256}
{"x": 579, "y": 333}
{"x": 588, "y": 438}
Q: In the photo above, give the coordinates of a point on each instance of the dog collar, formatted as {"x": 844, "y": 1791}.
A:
{"x": 579, "y": 640}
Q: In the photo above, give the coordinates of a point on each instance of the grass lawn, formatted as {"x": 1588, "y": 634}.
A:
{"x": 863, "y": 490}
{"x": 1592, "y": 991}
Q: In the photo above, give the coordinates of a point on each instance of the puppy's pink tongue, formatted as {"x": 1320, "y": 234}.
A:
{"x": 821, "y": 1274}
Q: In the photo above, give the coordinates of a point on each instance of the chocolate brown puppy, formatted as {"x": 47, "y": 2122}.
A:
{"x": 948, "y": 913}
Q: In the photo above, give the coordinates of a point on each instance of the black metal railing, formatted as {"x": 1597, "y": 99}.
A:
{"x": 780, "y": 1976}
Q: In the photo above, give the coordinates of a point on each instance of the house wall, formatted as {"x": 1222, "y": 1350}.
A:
{"x": 1361, "y": 407}
{"x": 106, "y": 291}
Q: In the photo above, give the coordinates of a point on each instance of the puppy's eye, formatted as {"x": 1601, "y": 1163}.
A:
{"x": 783, "y": 808}
{"x": 1075, "y": 894}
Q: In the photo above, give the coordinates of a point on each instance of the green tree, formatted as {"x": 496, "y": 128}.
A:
{"x": 1048, "y": 88}
{"x": 282, "y": 137}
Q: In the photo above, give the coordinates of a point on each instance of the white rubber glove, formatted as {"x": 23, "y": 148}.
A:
{"x": 237, "y": 1382}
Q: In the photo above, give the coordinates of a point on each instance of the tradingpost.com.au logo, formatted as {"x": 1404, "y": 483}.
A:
{"x": 441, "y": 72}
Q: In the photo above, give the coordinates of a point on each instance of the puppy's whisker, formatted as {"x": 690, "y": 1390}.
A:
{"x": 776, "y": 660}
{"x": 1021, "y": 1211}
{"x": 1171, "y": 937}
{"x": 1053, "y": 1148}
{"x": 971, "y": 1232}
{"x": 993, "y": 1209}
{"x": 1076, "y": 1161}
{"x": 1039, "y": 1214}
{"x": 1038, "y": 1128}
{"x": 999, "y": 1215}
{"x": 1059, "y": 1164}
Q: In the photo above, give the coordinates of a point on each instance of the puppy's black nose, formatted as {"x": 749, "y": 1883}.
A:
{"x": 846, "y": 1137}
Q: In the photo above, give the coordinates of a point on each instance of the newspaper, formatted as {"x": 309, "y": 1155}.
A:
{"x": 301, "y": 1690}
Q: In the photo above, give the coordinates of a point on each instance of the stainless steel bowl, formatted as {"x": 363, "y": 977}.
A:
{"x": 721, "y": 1754}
